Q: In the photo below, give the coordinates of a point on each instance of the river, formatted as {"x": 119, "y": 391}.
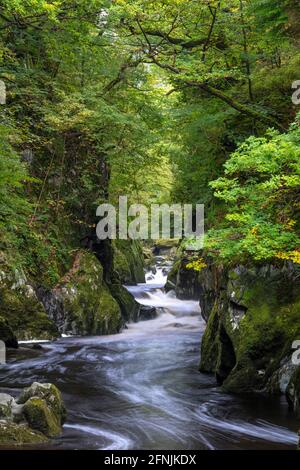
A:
{"x": 141, "y": 389}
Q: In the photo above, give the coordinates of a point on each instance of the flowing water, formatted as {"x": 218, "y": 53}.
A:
{"x": 141, "y": 389}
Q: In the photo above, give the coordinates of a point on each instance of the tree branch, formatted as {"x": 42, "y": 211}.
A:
{"x": 242, "y": 108}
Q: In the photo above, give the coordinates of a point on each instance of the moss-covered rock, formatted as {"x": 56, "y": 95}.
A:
{"x": 82, "y": 303}
{"x": 40, "y": 417}
{"x": 12, "y": 434}
{"x": 251, "y": 326}
{"x": 184, "y": 281}
{"x": 20, "y": 307}
{"x": 50, "y": 394}
{"x": 129, "y": 306}
{"x": 7, "y": 335}
{"x": 128, "y": 261}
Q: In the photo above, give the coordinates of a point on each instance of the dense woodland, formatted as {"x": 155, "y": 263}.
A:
{"x": 181, "y": 101}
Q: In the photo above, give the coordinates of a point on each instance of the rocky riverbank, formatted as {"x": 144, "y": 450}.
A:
{"x": 88, "y": 300}
{"x": 37, "y": 415}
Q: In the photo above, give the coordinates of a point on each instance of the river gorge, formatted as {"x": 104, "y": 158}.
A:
{"x": 141, "y": 389}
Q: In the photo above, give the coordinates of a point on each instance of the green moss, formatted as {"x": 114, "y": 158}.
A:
{"x": 128, "y": 305}
{"x": 210, "y": 342}
{"x": 41, "y": 418}
{"x": 7, "y": 335}
{"x": 12, "y": 434}
{"x": 88, "y": 304}
{"x": 129, "y": 254}
{"x": 121, "y": 266}
{"x": 50, "y": 394}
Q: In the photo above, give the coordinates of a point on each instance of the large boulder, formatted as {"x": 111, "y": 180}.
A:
{"x": 20, "y": 308}
{"x": 185, "y": 281}
{"x": 128, "y": 261}
{"x": 48, "y": 393}
{"x": 37, "y": 415}
{"x": 129, "y": 306}
{"x": 82, "y": 304}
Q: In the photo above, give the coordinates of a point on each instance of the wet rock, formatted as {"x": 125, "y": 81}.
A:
{"x": 20, "y": 307}
{"x": 147, "y": 313}
{"x": 36, "y": 416}
{"x": 82, "y": 303}
{"x": 252, "y": 320}
{"x": 128, "y": 305}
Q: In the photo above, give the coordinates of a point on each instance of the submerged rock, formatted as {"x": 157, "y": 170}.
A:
{"x": 147, "y": 313}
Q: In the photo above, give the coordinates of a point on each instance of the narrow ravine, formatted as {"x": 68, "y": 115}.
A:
{"x": 141, "y": 389}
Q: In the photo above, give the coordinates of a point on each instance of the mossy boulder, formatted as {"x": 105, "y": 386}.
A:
{"x": 12, "y": 434}
{"x": 82, "y": 303}
{"x": 128, "y": 261}
{"x": 185, "y": 281}
{"x": 7, "y": 335}
{"x": 129, "y": 306}
{"x": 37, "y": 415}
{"x": 40, "y": 418}
{"x": 20, "y": 307}
{"x": 50, "y": 394}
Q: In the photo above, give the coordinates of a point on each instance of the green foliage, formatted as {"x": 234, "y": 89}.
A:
{"x": 261, "y": 191}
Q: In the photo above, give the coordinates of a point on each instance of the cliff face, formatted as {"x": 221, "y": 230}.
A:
{"x": 251, "y": 327}
{"x": 253, "y": 319}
